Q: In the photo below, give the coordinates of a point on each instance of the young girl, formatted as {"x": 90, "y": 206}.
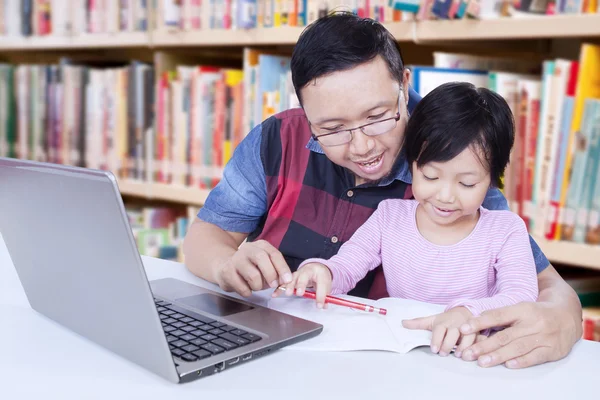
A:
{"x": 459, "y": 254}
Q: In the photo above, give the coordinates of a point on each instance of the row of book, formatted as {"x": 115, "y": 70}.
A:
{"x": 180, "y": 123}
{"x": 76, "y": 17}
{"x": 553, "y": 179}
{"x": 78, "y": 115}
{"x": 72, "y": 17}
{"x": 159, "y": 231}
{"x": 243, "y": 14}
{"x": 177, "y": 125}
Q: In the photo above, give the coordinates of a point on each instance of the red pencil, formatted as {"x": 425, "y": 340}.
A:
{"x": 343, "y": 302}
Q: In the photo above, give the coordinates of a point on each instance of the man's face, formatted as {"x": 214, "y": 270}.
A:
{"x": 349, "y": 99}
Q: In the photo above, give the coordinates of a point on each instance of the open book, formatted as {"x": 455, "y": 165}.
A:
{"x": 345, "y": 329}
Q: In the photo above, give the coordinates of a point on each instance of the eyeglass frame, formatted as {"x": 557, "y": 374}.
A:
{"x": 395, "y": 117}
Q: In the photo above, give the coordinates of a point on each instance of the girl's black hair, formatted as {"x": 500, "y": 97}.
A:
{"x": 455, "y": 116}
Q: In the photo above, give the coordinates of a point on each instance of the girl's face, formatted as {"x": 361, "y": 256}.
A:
{"x": 451, "y": 191}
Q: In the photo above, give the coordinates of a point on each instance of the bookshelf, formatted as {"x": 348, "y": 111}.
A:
{"x": 402, "y": 31}
{"x": 416, "y": 35}
{"x": 568, "y": 253}
{"x": 80, "y": 42}
{"x": 163, "y": 192}
{"x": 543, "y": 27}
{"x": 501, "y": 29}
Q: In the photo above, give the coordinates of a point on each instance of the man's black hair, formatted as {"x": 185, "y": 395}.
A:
{"x": 341, "y": 41}
{"x": 455, "y": 116}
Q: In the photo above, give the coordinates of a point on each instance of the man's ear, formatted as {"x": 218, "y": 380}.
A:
{"x": 405, "y": 83}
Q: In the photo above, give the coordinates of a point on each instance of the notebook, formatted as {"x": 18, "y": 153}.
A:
{"x": 345, "y": 329}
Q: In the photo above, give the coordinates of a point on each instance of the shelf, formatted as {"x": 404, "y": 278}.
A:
{"x": 100, "y": 40}
{"x": 402, "y": 31}
{"x": 226, "y": 37}
{"x": 164, "y": 192}
{"x": 575, "y": 254}
{"x": 558, "y": 26}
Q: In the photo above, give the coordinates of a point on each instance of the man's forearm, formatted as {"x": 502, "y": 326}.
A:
{"x": 207, "y": 247}
{"x": 555, "y": 291}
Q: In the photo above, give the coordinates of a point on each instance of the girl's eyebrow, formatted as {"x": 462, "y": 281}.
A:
{"x": 432, "y": 165}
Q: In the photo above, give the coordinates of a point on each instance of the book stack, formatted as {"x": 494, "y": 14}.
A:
{"x": 24, "y": 18}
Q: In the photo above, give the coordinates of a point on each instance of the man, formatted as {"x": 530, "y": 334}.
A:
{"x": 303, "y": 181}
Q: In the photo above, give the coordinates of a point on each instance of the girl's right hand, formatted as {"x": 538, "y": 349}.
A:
{"x": 311, "y": 275}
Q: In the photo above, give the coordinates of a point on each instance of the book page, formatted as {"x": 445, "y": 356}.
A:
{"x": 346, "y": 329}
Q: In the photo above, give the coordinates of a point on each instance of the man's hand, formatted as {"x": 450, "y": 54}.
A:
{"x": 310, "y": 275}
{"x": 445, "y": 330}
{"x": 537, "y": 333}
{"x": 254, "y": 266}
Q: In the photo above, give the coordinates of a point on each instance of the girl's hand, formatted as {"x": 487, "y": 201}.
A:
{"x": 446, "y": 334}
{"x": 311, "y": 275}
{"x": 445, "y": 331}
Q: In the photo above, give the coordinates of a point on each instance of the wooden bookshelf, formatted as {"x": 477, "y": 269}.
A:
{"x": 568, "y": 253}
{"x": 223, "y": 37}
{"x": 509, "y": 30}
{"x": 402, "y": 31}
{"x": 542, "y": 27}
{"x": 89, "y": 41}
{"x": 163, "y": 192}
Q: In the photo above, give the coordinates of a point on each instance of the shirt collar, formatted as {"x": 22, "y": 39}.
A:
{"x": 403, "y": 173}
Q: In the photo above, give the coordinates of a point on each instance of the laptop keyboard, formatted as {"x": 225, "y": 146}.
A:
{"x": 197, "y": 338}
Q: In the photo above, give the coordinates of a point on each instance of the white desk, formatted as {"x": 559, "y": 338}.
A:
{"x": 40, "y": 359}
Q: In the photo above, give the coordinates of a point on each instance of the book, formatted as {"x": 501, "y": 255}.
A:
{"x": 346, "y": 329}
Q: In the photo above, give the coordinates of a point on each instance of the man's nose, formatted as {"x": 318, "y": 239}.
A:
{"x": 361, "y": 143}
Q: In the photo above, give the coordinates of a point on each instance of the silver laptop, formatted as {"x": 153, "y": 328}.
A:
{"x": 70, "y": 241}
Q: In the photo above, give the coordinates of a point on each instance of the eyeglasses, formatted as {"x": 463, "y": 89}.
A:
{"x": 344, "y": 136}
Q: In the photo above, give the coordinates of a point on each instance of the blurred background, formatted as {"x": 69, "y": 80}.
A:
{"x": 160, "y": 92}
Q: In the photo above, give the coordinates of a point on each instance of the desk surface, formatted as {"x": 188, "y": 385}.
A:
{"x": 40, "y": 358}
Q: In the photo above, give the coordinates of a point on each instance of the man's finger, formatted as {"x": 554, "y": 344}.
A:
{"x": 283, "y": 270}
{"x": 278, "y": 261}
{"x": 262, "y": 260}
{"x": 238, "y": 284}
{"x": 498, "y": 317}
{"x": 494, "y": 342}
{"x": 516, "y": 348}
{"x": 252, "y": 275}
{"x": 537, "y": 356}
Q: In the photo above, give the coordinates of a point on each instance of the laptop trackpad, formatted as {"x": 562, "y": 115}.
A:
{"x": 215, "y": 305}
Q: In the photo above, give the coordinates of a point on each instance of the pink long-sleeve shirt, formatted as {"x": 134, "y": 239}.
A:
{"x": 490, "y": 268}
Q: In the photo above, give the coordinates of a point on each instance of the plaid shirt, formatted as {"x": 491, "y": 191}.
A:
{"x": 279, "y": 186}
